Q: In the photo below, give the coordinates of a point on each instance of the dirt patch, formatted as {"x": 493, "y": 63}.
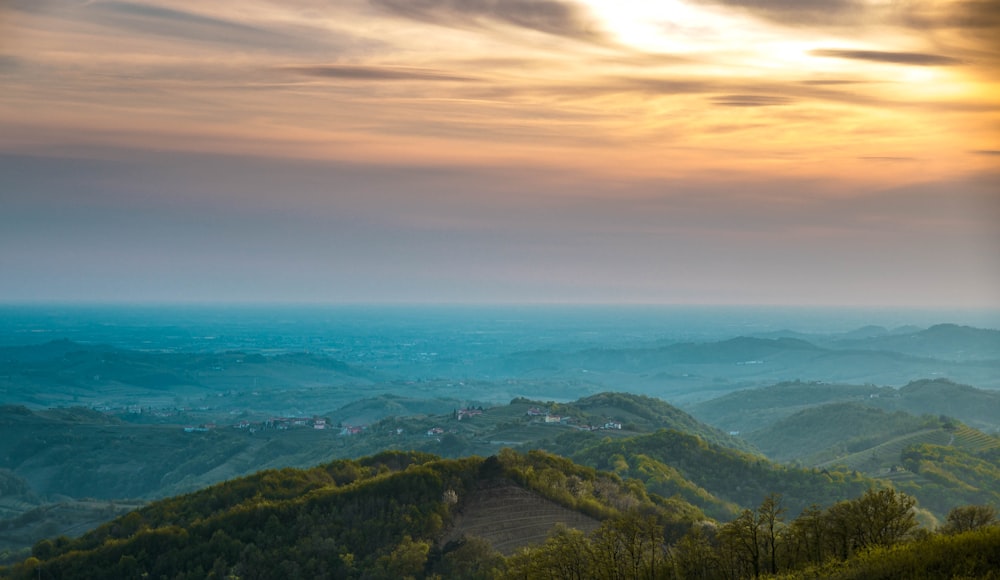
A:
{"x": 510, "y": 517}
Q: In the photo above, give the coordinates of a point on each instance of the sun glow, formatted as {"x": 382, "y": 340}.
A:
{"x": 667, "y": 26}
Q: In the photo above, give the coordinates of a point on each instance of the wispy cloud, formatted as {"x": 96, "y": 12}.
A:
{"x": 9, "y": 63}
{"x": 799, "y": 12}
{"x": 161, "y": 21}
{"x": 831, "y": 82}
{"x": 966, "y": 15}
{"x": 976, "y": 18}
{"x": 911, "y": 58}
{"x": 554, "y": 17}
{"x": 377, "y": 73}
{"x": 137, "y": 23}
{"x": 887, "y": 158}
{"x": 750, "y": 100}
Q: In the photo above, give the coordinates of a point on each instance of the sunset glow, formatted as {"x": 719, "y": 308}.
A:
{"x": 713, "y": 151}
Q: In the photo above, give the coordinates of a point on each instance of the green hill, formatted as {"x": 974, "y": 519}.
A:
{"x": 944, "y": 467}
{"x": 752, "y": 409}
{"x": 833, "y": 429}
{"x": 76, "y": 454}
{"x": 979, "y": 408}
{"x": 370, "y": 410}
{"x": 80, "y": 453}
{"x": 643, "y": 414}
{"x": 388, "y": 516}
{"x": 719, "y": 480}
{"x": 535, "y": 515}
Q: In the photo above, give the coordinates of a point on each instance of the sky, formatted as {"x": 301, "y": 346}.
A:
{"x": 782, "y": 152}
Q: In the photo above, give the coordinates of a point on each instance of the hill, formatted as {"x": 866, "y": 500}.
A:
{"x": 942, "y": 341}
{"x": 76, "y": 454}
{"x": 262, "y": 383}
{"x": 979, "y": 408}
{"x": 643, "y": 414}
{"x": 834, "y": 429}
{"x": 388, "y": 516}
{"x": 373, "y": 409}
{"x": 751, "y": 409}
{"x": 63, "y": 373}
{"x": 719, "y": 480}
{"x": 861, "y": 437}
{"x": 688, "y": 371}
{"x": 535, "y": 515}
{"x": 70, "y": 454}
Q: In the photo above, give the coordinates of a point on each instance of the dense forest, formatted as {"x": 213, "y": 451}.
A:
{"x": 402, "y": 515}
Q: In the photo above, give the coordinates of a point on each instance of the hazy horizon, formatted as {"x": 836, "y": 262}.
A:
{"x": 495, "y": 328}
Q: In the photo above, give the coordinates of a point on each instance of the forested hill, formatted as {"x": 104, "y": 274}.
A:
{"x": 719, "y": 480}
{"x": 387, "y": 516}
{"x": 535, "y": 515}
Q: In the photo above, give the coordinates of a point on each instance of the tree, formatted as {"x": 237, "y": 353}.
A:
{"x": 970, "y": 517}
{"x": 742, "y": 537}
{"x": 472, "y": 558}
{"x": 879, "y": 518}
{"x": 807, "y": 536}
{"x": 884, "y": 517}
{"x": 407, "y": 560}
{"x": 565, "y": 555}
{"x": 771, "y": 519}
{"x": 693, "y": 557}
{"x": 630, "y": 546}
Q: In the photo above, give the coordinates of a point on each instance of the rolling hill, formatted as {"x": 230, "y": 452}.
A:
{"x": 375, "y": 517}
{"x": 534, "y": 515}
{"x": 751, "y": 409}
{"x": 832, "y": 429}
{"x": 942, "y": 341}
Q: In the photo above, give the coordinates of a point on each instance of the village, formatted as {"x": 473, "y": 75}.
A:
{"x": 534, "y": 415}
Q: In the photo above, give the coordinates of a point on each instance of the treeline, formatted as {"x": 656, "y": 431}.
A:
{"x": 872, "y": 536}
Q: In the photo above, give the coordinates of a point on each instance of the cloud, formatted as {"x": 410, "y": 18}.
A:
{"x": 161, "y": 21}
{"x": 171, "y": 22}
{"x": 158, "y": 13}
{"x": 967, "y": 15}
{"x": 832, "y": 82}
{"x": 27, "y": 5}
{"x": 377, "y": 73}
{"x": 549, "y": 16}
{"x": 887, "y": 158}
{"x": 750, "y": 100}
{"x": 9, "y": 63}
{"x": 980, "y": 18}
{"x": 912, "y": 58}
{"x": 797, "y": 12}
{"x": 729, "y": 92}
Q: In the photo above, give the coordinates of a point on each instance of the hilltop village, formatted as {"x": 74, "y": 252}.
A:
{"x": 534, "y": 415}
